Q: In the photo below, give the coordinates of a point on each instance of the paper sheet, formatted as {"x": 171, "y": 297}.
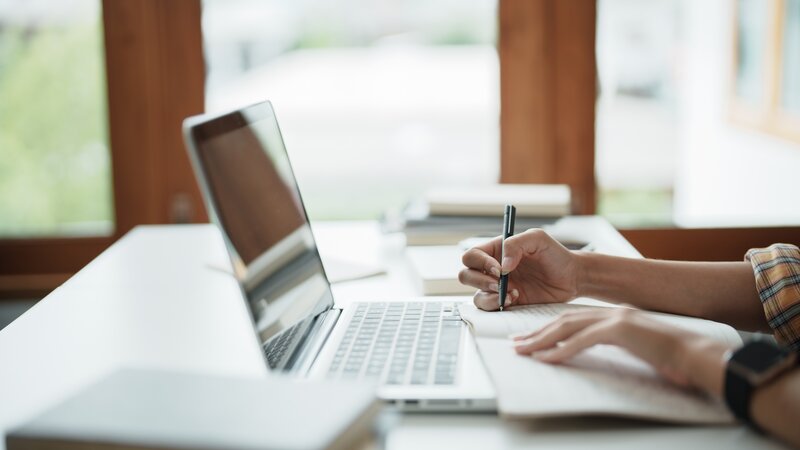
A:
{"x": 603, "y": 380}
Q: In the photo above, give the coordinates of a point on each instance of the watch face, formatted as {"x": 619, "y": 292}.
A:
{"x": 759, "y": 356}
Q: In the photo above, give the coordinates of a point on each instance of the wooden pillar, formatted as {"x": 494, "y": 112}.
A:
{"x": 156, "y": 78}
{"x": 548, "y": 90}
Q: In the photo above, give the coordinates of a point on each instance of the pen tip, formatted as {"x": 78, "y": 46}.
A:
{"x": 501, "y": 308}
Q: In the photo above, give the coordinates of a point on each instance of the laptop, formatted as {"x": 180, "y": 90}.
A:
{"x": 417, "y": 350}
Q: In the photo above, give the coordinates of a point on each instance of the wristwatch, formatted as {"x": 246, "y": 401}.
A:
{"x": 755, "y": 364}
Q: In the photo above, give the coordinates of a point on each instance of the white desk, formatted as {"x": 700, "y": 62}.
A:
{"x": 161, "y": 297}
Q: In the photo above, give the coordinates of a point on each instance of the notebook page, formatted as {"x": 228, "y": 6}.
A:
{"x": 513, "y": 320}
{"x": 603, "y": 380}
{"x": 521, "y": 319}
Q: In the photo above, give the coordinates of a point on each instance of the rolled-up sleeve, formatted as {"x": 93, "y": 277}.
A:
{"x": 777, "y": 272}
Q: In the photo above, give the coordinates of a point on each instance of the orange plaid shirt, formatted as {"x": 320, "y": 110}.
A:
{"x": 777, "y": 272}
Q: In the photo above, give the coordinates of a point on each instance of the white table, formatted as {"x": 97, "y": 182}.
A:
{"x": 162, "y": 297}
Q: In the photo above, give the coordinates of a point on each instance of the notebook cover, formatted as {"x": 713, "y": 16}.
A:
{"x": 149, "y": 409}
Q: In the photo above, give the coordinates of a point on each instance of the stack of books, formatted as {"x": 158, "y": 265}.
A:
{"x": 446, "y": 216}
{"x": 435, "y": 225}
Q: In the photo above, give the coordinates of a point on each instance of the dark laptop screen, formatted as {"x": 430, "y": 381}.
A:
{"x": 253, "y": 195}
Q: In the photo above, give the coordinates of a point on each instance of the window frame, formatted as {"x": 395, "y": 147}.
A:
{"x": 768, "y": 116}
{"x": 155, "y": 75}
{"x": 548, "y": 92}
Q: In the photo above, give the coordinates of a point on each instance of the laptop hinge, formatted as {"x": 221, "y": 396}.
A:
{"x": 321, "y": 329}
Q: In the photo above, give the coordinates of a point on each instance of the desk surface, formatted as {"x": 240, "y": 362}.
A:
{"x": 163, "y": 297}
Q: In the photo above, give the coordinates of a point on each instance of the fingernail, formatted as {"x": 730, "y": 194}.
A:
{"x": 514, "y": 294}
{"x": 495, "y": 271}
{"x": 506, "y": 262}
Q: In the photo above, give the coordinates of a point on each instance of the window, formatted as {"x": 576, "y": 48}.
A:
{"x": 693, "y": 121}
{"x": 638, "y": 108}
{"x": 54, "y": 156}
{"x": 69, "y": 88}
{"x": 377, "y": 101}
{"x": 790, "y": 58}
{"x": 766, "y": 94}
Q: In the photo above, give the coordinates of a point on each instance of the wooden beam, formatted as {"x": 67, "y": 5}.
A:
{"x": 707, "y": 244}
{"x": 547, "y": 95}
{"x": 49, "y": 255}
{"x": 527, "y": 150}
{"x": 156, "y": 76}
{"x": 574, "y": 101}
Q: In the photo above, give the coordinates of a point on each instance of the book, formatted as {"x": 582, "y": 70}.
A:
{"x": 446, "y": 216}
{"x": 441, "y": 230}
{"x": 531, "y": 200}
{"x": 153, "y": 409}
{"x": 421, "y": 228}
{"x": 602, "y": 380}
{"x": 436, "y": 267}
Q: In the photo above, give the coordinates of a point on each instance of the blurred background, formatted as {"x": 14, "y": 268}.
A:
{"x": 401, "y": 96}
{"x": 696, "y": 115}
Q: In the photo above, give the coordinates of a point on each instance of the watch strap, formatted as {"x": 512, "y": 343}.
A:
{"x": 738, "y": 392}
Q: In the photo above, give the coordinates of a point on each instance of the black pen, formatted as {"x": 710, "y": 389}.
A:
{"x": 508, "y": 230}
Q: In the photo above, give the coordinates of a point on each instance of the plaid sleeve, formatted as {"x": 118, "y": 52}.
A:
{"x": 777, "y": 272}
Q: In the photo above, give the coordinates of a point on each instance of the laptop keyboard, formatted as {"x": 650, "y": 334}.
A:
{"x": 276, "y": 349}
{"x": 401, "y": 343}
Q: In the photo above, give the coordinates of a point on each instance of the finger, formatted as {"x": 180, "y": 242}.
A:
{"x": 527, "y": 243}
{"x": 478, "y": 280}
{"x": 569, "y": 315}
{"x": 478, "y": 259}
{"x": 492, "y": 247}
{"x": 489, "y": 301}
{"x": 561, "y": 330}
{"x": 598, "y": 333}
{"x": 486, "y": 301}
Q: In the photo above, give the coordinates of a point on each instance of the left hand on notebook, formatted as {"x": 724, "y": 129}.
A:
{"x": 680, "y": 356}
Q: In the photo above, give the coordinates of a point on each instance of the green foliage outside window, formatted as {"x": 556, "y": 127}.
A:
{"x": 54, "y": 160}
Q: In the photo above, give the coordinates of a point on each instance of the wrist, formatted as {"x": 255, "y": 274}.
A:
{"x": 591, "y": 271}
{"x": 703, "y": 363}
{"x": 583, "y": 271}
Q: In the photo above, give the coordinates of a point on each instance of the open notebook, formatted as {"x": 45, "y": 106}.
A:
{"x": 603, "y": 380}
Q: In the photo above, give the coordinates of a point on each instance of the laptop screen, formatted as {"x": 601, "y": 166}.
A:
{"x": 252, "y": 194}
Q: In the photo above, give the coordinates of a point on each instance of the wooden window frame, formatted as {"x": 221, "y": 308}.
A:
{"x": 548, "y": 90}
{"x": 548, "y": 80}
{"x": 155, "y": 75}
{"x": 769, "y": 116}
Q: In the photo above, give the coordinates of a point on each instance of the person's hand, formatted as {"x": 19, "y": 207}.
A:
{"x": 680, "y": 356}
{"x": 540, "y": 269}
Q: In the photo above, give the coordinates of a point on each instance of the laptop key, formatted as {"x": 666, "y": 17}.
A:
{"x": 405, "y": 343}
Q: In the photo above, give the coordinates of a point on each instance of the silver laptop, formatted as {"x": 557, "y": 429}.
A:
{"x": 418, "y": 351}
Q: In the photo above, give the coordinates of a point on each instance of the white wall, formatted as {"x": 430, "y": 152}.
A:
{"x": 727, "y": 174}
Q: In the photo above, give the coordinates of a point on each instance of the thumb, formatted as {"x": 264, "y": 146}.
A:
{"x": 516, "y": 247}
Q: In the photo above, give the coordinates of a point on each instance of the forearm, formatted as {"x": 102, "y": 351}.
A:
{"x": 721, "y": 291}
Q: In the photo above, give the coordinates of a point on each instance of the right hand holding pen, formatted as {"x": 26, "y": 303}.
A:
{"x": 540, "y": 269}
